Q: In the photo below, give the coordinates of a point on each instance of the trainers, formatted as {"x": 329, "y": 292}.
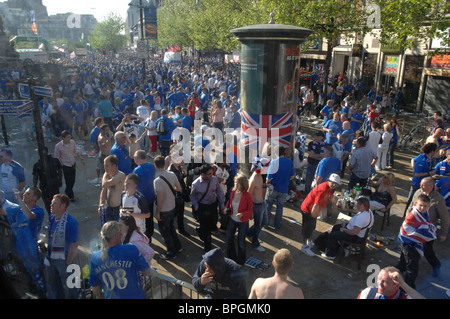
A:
{"x": 260, "y": 249}
{"x": 327, "y": 257}
{"x": 379, "y": 213}
{"x": 310, "y": 244}
{"x": 346, "y": 252}
{"x": 166, "y": 256}
{"x": 307, "y": 251}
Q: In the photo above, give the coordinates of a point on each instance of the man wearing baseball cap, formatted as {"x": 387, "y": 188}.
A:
{"x": 314, "y": 202}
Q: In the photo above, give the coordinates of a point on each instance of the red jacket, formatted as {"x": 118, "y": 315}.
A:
{"x": 245, "y": 205}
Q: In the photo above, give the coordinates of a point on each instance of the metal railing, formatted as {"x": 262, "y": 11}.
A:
{"x": 156, "y": 285}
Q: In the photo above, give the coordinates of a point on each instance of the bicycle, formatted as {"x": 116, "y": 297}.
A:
{"x": 415, "y": 137}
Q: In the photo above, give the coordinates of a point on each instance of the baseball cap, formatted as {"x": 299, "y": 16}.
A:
{"x": 320, "y": 133}
{"x": 335, "y": 178}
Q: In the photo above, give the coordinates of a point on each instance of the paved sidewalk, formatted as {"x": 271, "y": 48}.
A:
{"x": 318, "y": 277}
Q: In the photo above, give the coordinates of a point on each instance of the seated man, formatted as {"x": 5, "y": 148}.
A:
{"x": 354, "y": 231}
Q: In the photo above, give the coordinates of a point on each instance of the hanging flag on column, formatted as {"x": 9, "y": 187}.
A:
{"x": 258, "y": 129}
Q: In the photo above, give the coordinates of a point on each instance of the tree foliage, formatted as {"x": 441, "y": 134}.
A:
{"x": 408, "y": 23}
{"x": 108, "y": 34}
{"x": 205, "y": 24}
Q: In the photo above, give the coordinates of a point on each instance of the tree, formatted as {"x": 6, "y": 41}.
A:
{"x": 205, "y": 24}
{"x": 329, "y": 19}
{"x": 174, "y": 23}
{"x": 408, "y": 23}
{"x": 108, "y": 34}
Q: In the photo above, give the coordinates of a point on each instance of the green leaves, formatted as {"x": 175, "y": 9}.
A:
{"x": 205, "y": 24}
{"x": 108, "y": 34}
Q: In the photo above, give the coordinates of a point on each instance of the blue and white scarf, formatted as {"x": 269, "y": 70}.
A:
{"x": 59, "y": 238}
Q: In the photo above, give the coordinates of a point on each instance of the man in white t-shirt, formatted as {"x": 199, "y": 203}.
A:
{"x": 134, "y": 202}
{"x": 12, "y": 175}
{"x": 143, "y": 111}
{"x": 354, "y": 231}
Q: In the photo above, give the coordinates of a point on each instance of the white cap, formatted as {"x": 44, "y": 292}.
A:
{"x": 335, "y": 178}
{"x": 204, "y": 127}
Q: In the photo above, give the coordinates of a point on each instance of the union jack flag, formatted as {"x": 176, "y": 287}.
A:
{"x": 258, "y": 129}
{"x": 416, "y": 230}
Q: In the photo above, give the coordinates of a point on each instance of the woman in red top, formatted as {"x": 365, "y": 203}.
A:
{"x": 193, "y": 103}
{"x": 240, "y": 209}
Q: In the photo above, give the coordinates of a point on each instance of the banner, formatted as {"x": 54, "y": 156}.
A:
{"x": 390, "y": 64}
{"x": 441, "y": 61}
{"x": 150, "y": 23}
{"x": 172, "y": 57}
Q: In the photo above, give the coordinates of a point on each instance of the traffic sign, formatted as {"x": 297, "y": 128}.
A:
{"x": 24, "y": 91}
{"x": 43, "y": 91}
{"x": 141, "y": 49}
{"x": 15, "y": 106}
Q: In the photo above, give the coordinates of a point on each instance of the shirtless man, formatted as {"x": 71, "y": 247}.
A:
{"x": 278, "y": 286}
{"x": 257, "y": 189}
{"x": 112, "y": 188}
{"x": 104, "y": 144}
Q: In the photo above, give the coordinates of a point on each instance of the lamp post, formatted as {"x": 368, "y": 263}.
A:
{"x": 141, "y": 14}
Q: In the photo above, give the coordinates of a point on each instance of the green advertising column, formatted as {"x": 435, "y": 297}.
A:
{"x": 270, "y": 65}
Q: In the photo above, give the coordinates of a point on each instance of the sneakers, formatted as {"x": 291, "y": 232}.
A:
{"x": 260, "y": 249}
{"x": 327, "y": 257}
{"x": 307, "y": 251}
{"x": 167, "y": 256}
{"x": 379, "y": 213}
{"x": 346, "y": 252}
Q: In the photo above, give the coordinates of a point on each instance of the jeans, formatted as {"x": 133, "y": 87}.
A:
{"x": 280, "y": 199}
{"x": 207, "y": 218}
{"x": 179, "y": 209}
{"x": 112, "y": 214}
{"x": 335, "y": 237}
{"x": 409, "y": 262}
{"x": 57, "y": 284}
{"x": 259, "y": 219}
{"x": 310, "y": 172}
{"x": 231, "y": 248}
{"x": 69, "y": 177}
{"x": 355, "y": 180}
{"x": 391, "y": 151}
{"x": 164, "y": 147}
{"x": 168, "y": 232}
{"x": 430, "y": 255}
{"x": 308, "y": 226}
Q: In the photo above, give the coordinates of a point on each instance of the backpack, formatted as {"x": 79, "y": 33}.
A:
{"x": 161, "y": 128}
